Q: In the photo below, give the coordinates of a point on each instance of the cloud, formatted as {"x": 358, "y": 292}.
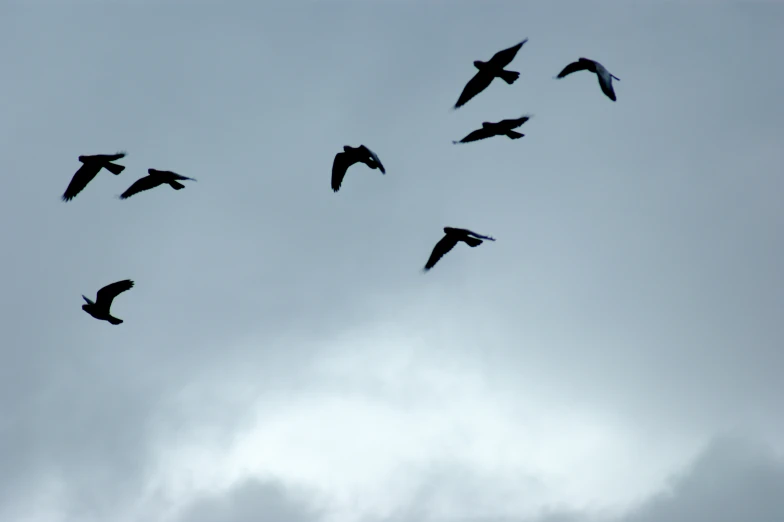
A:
{"x": 381, "y": 412}
{"x": 732, "y": 479}
{"x": 252, "y": 501}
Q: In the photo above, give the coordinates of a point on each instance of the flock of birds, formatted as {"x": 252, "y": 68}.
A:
{"x": 487, "y": 72}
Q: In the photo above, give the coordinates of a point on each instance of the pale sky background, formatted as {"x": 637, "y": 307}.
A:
{"x": 615, "y": 356}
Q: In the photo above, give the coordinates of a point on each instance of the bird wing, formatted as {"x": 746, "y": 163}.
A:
{"x": 513, "y": 123}
{"x": 141, "y": 184}
{"x": 444, "y": 245}
{"x": 83, "y": 176}
{"x": 180, "y": 177}
{"x": 475, "y": 85}
{"x": 480, "y": 236}
{"x": 505, "y": 57}
{"x": 113, "y": 157}
{"x": 465, "y": 232}
{"x": 169, "y": 174}
{"x": 479, "y": 134}
{"x": 105, "y": 157}
{"x": 375, "y": 158}
{"x": 107, "y": 294}
{"x": 339, "y": 167}
{"x": 581, "y": 65}
{"x": 605, "y": 82}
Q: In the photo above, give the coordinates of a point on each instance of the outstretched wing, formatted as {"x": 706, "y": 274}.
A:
{"x": 169, "y": 174}
{"x": 107, "y": 294}
{"x": 505, "y": 57}
{"x": 465, "y": 232}
{"x": 479, "y": 134}
{"x": 83, "y": 176}
{"x": 339, "y": 167}
{"x": 480, "y": 236}
{"x": 513, "y": 123}
{"x": 582, "y": 64}
{"x": 605, "y": 82}
{"x": 141, "y": 184}
{"x": 375, "y": 158}
{"x": 475, "y": 85}
{"x": 446, "y": 244}
{"x": 102, "y": 158}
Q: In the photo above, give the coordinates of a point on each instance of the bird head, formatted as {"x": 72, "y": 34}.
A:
{"x": 82, "y": 158}
{"x": 486, "y": 124}
{"x": 479, "y": 64}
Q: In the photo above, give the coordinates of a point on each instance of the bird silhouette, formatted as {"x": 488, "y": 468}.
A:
{"x": 100, "y": 309}
{"x": 349, "y": 156}
{"x": 91, "y": 165}
{"x": 604, "y": 76}
{"x": 501, "y": 128}
{"x": 494, "y": 68}
{"x": 451, "y": 238}
{"x": 154, "y": 178}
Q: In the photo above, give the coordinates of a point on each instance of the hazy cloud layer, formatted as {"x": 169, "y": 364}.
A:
{"x": 732, "y": 479}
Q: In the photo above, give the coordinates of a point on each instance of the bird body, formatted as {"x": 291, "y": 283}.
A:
{"x": 501, "y": 128}
{"x": 452, "y": 236}
{"x": 602, "y": 74}
{"x": 153, "y": 179}
{"x": 488, "y": 71}
{"x": 91, "y": 165}
{"x": 350, "y": 156}
{"x": 101, "y": 308}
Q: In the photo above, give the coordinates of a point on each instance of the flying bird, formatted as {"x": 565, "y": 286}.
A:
{"x": 501, "y": 128}
{"x": 91, "y": 165}
{"x": 349, "y": 156}
{"x": 488, "y": 71}
{"x": 103, "y": 301}
{"x": 451, "y": 238}
{"x": 604, "y": 76}
{"x": 154, "y": 178}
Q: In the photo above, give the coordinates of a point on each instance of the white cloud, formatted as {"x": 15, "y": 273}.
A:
{"x": 384, "y": 409}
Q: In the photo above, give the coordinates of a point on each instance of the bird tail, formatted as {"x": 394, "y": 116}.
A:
{"x": 114, "y": 169}
{"x": 514, "y": 135}
{"x": 176, "y": 185}
{"x": 114, "y": 320}
{"x": 509, "y": 76}
{"x": 473, "y": 242}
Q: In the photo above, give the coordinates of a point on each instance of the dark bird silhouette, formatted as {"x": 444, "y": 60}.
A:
{"x": 501, "y": 128}
{"x": 488, "y": 71}
{"x": 91, "y": 165}
{"x": 448, "y": 242}
{"x": 349, "y": 156}
{"x": 154, "y": 178}
{"x": 103, "y": 301}
{"x": 604, "y": 76}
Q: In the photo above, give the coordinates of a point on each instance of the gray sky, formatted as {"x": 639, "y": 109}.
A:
{"x": 615, "y": 356}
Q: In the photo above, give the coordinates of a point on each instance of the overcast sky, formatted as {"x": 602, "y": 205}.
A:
{"x": 615, "y": 356}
